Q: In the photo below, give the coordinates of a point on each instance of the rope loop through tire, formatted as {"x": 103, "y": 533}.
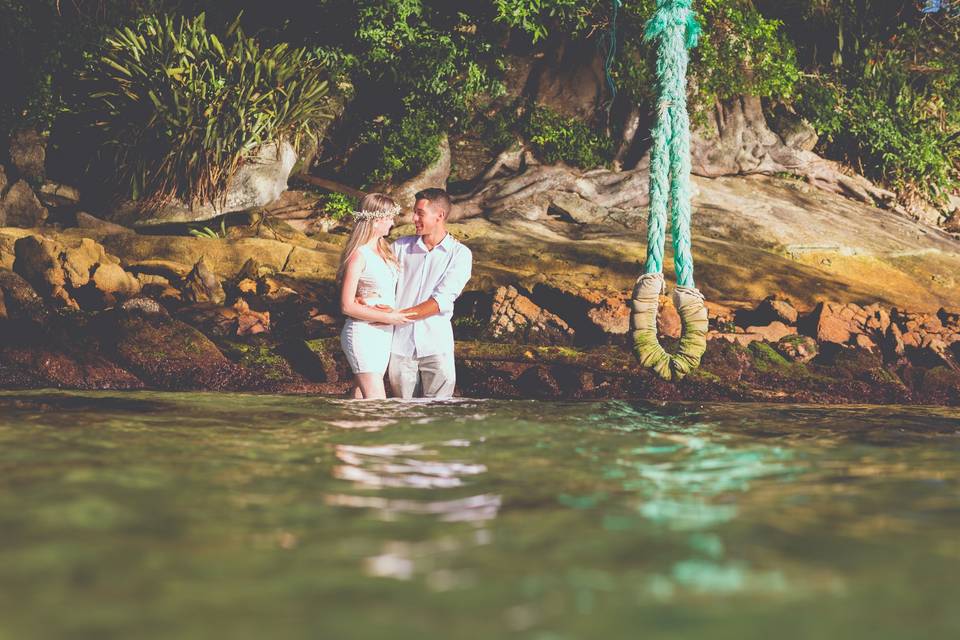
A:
{"x": 643, "y": 328}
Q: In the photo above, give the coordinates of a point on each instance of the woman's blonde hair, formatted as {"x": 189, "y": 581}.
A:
{"x": 363, "y": 231}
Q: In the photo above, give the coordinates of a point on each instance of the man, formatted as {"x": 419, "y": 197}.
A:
{"x": 435, "y": 269}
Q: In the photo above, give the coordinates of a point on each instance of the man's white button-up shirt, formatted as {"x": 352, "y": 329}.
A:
{"x": 440, "y": 274}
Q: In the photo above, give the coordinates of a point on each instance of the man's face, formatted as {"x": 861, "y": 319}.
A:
{"x": 426, "y": 217}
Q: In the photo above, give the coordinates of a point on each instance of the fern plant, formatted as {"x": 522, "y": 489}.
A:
{"x": 180, "y": 109}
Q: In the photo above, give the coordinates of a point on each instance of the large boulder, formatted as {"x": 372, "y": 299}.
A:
{"x": 165, "y": 352}
{"x": 436, "y": 175}
{"x": 80, "y": 274}
{"x": 28, "y": 153}
{"x": 259, "y": 181}
{"x": 20, "y": 207}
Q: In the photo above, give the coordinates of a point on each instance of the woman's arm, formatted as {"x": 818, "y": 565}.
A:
{"x": 348, "y": 297}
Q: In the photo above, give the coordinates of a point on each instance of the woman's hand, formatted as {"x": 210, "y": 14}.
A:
{"x": 398, "y": 317}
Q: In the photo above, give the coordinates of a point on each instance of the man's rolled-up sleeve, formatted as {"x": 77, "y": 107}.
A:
{"x": 454, "y": 280}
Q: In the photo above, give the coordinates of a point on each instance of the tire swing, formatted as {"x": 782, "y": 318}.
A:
{"x": 675, "y": 29}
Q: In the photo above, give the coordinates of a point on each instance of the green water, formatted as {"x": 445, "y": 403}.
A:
{"x": 158, "y": 515}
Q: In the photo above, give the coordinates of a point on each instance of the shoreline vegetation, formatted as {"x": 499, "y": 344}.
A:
{"x": 175, "y": 183}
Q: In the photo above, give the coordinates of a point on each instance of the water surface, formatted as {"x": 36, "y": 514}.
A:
{"x": 159, "y": 515}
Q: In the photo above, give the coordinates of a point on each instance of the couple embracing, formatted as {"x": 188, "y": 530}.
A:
{"x": 398, "y": 298}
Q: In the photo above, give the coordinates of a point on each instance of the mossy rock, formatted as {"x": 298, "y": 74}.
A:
{"x": 940, "y": 385}
{"x": 168, "y": 354}
{"x": 262, "y": 357}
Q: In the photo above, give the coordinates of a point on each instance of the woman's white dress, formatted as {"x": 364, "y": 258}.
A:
{"x": 367, "y": 346}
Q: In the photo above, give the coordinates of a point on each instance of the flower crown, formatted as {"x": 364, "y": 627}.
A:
{"x": 388, "y": 212}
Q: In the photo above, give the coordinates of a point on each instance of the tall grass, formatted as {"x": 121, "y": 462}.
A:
{"x": 180, "y": 109}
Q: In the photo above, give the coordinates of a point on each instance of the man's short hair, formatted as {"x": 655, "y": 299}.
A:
{"x": 437, "y": 196}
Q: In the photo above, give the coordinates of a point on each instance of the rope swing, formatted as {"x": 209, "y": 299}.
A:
{"x": 674, "y": 29}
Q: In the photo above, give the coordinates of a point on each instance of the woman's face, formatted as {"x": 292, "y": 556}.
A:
{"x": 383, "y": 225}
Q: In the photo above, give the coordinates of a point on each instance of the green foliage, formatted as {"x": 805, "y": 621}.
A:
{"x": 42, "y": 46}
{"x": 743, "y": 53}
{"x": 400, "y": 147}
{"x": 180, "y": 109}
{"x": 338, "y": 205}
{"x": 418, "y": 67}
{"x": 557, "y": 138}
{"x": 893, "y": 109}
{"x": 207, "y": 232}
{"x": 537, "y": 17}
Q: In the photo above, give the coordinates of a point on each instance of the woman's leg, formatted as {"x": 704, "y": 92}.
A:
{"x": 371, "y": 386}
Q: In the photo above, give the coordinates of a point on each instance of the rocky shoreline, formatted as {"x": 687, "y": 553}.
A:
{"x": 73, "y": 315}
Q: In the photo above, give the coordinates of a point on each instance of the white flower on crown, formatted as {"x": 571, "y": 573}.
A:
{"x": 389, "y": 212}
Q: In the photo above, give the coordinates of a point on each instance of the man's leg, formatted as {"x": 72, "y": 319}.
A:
{"x": 403, "y": 375}
{"x": 439, "y": 375}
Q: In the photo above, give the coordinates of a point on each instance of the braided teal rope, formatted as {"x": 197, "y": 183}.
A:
{"x": 611, "y": 50}
{"x": 675, "y": 30}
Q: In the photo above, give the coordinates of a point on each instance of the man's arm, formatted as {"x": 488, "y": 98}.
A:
{"x": 448, "y": 289}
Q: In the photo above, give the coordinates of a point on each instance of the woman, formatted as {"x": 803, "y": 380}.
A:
{"x": 369, "y": 271}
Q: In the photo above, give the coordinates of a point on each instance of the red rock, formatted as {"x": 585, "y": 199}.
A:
{"x": 864, "y": 342}
{"x": 773, "y": 332}
{"x": 831, "y": 327}
{"x": 668, "y": 320}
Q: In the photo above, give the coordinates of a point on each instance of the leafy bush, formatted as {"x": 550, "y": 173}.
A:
{"x": 557, "y": 138}
{"x": 400, "y": 146}
{"x": 338, "y": 205}
{"x": 179, "y": 109}
{"x": 894, "y": 112}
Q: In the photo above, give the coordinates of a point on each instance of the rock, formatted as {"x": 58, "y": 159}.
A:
{"x": 174, "y": 272}
{"x": 87, "y": 221}
{"x": 878, "y": 320}
{"x": 831, "y": 322}
{"x": 773, "y": 332}
{"x": 793, "y": 129}
{"x": 668, "y": 320}
{"x": 21, "y": 208}
{"x": 165, "y": 352}
{"x": 516, "y": 317}
{"x": 203, "y": 285}
{"x": 226, "y": 258}
{"x": 53, "y": 194}
{"x": 436, "y": 175}
{"x": 28, "y": 153}
{"x": 864, "y": 342}
{"x": 250, "y": 322}
{"x": 252, "y": 270}
{"x": 259, "y": 181}
{"x": 579, "y": 210}
{"x": 38, "y": 261}
{"x": 743, "y": 339}
{"x": 952, "y": 223}
{"x": 20, "y": 301}
{"x": 950, "y": 318}
{"x": 797, "y": 348}
{"x": 80, "y": 261}
{"x": 113, "y": 283}
{"x": 83, "y": 274}
{"x": 773, "y": 309}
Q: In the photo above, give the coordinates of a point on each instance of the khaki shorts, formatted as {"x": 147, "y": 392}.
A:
{"x": 426, "y": 377}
